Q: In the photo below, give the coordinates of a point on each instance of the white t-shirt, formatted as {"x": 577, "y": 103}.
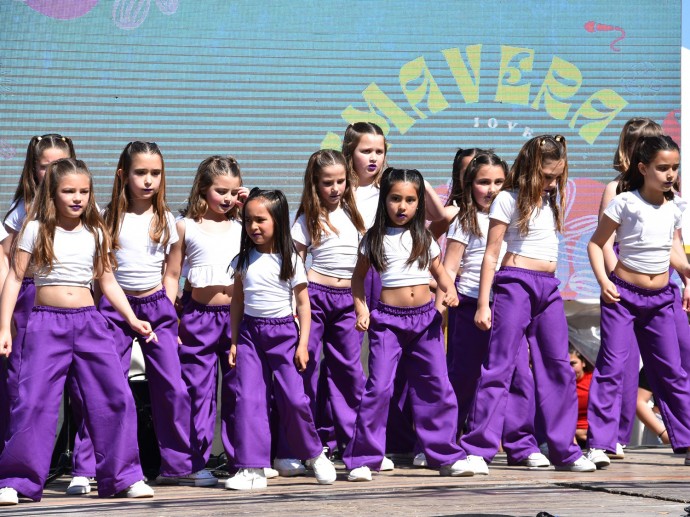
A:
{"x": 74, "y": 253}
{"x": 209, "y": 254}
{"x": 397, "y": 245}
{"x": 16, "y": 216}
{"x": 645, "y": 234}
{"x": 265, "y": 294}
{"x": 471, "y": 266}
{"x": 139, "y": 259}
{"x": 541, "y": 241}
{"x": 367, "y": 199}
{"x": 336, "y": 255}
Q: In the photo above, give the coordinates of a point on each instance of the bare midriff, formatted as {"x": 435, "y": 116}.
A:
{"x": 330, "y": 281}
{"x": 644, "y": 280}
{"x": 64, "y": 296}
{"x": 514, "y": 260}
{"x": 406, "y": 296}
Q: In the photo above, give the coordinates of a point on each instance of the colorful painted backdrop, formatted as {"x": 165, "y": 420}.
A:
{"x": 271, "y": 82}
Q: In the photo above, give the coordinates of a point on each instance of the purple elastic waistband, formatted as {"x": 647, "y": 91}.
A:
{"x": 636, "y": 288}
{"x": 405, "y": 311}
{"x": 27, "y": 280}
{"x": 140, "y": 300}
{"x": 531, "y": 272}
{"x": 313, "y": 286}
{"x": 269, "y": 321}
{"x": 63, "y": 310}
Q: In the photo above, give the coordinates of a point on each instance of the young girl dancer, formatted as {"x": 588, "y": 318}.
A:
{"x": 209, "y": 238}
{"x": 329, "y": 227}
{"x": 65, "y": 242}
{"x": 526, "y": 304}
{"x": 637, "y": 299}
{"x": 268, "y": 348}
{"x": 467, "y": 347}
{"x": 143, "y": 230}
{"x": 632, "y": 131}
{"x": 41, "y": 151}
{"x": 404, "y": 328}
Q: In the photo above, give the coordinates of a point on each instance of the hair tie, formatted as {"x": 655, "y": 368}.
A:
{"x": 38, "y": 138}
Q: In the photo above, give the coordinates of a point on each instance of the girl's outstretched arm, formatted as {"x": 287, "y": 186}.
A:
{"x": 236, "y": 315}
{"x": 446, "y": 288}
{"x": 116, "y": 296}
{"x": 435, "y": 211}
{"x": 304, "y": 318}
{"x": 358, "y": 293}
{"x": 173, "y": 264}
{"x": 494, "y": 241}
{"x": 595, "y": 249}
{"x": 8, "y": 299}
{"x": 610, "y": 258}
{"x": 451, "y": 262}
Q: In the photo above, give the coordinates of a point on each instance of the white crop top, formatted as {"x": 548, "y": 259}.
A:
{"x": 139, "y": 260}
{"x": 645, "y": 234}
{"x": 541, "y": 241}
{"x": 74, "y": 252}
{"x": 396, "y": 249}
{"x": 336, "y": 255}
{"x": 471, "y": 266}
{"x": 265, "y": 294}
{"x": 367, "y": 200}
{"x": 209, "y": 254}
{"x": 16, "y": 216}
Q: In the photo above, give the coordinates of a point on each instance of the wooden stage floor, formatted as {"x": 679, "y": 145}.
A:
{"x": 648, "y": 482}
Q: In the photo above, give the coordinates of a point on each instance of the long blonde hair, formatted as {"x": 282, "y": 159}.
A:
{"x": 527, "y": 179}
{"x": 115, "y": 211}
{"x": 316, "y": 215}
{"x": 44, "y": 211}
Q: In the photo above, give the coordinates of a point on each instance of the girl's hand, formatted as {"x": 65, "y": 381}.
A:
{"x": 482, "y": 318}
{"x": 609, "y": 293}
{"x": 450, "y": 299}
{"x": 5, "y": 343}
{"x": 144, "y": 328}
{"x": 301, "y": 358}
{"x": 686, "y": 297}
{"x": 232, "y": 356}
{"x": 242, "y": 194}
{"x": 362, "y": 321}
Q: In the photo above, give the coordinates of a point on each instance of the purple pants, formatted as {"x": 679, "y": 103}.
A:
{"x": 9, "y": 370}
{"x": 170, "y": 403}
{"x": 411, "y": 338}
{"x": 265, "y": 365}
{"x": 645, "y": 315}
{"x": 70, "y": 343}
{"x": 632, "y": 369}
{"x": 467, "y": 349}
{"x": 205, "y": 336}
{"x": 333, "y": 331}
{"x": 527, "y": 304}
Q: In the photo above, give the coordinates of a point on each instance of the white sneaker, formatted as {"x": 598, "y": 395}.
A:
{"x": 138, "y": 490}
{"x": 271, "y": 473}
{"x": 360, "y": 474}
{"x": 386, "y": 464}
{"x": 199, "y": 478}
{"x": 536, "y": 460}
{"x": 619, "y": 454}
{"x": 420, "y": 460}
{"x": 324, "y": 471}
{"x": 478, "y": 465}
{"x": 8, "y": 496}
{"x": 247, "y": 479}
{"x": 289, "y": 467}
{"x": 598, "y": 457}
{"x": 78, "y": 486}
{"x": 582, "y": 464}
{"x": 459, "y": 468}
